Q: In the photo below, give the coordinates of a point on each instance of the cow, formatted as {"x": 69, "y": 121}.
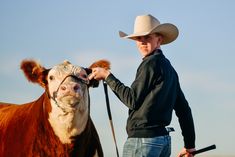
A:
{"x": 58, "y": 123}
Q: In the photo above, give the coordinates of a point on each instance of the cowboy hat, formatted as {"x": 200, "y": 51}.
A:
{"x": 147, "y": 24}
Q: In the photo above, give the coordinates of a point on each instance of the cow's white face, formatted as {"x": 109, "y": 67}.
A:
{"x": 67, "y": 85}
{"x": 68, "y": 88}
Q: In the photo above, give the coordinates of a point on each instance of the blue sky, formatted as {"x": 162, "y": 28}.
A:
{"x": 85, "y": 31}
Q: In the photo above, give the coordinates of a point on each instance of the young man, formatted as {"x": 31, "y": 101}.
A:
{"x": 153, "y": 95}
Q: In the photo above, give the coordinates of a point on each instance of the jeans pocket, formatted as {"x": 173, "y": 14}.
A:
{"x": 154, "y": 147}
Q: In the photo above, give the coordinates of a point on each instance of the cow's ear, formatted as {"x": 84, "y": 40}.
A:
{"x": 34, "y": 72}
{"x": 100, "y": 63}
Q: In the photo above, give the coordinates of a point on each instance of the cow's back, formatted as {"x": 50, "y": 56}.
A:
{"x": 2, "y": 105}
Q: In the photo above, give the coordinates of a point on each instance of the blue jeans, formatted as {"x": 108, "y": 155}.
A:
{"x": 148, "y": 147}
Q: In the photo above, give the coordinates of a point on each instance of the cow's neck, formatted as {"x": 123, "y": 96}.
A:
{"x": 68, "y": 124}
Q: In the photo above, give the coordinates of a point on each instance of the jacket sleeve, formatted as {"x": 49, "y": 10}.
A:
{"x": 133, "y": 96}
{"x": 185, "y": 118}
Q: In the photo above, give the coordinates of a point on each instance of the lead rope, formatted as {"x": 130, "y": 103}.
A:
{"x": 110, "y": 115}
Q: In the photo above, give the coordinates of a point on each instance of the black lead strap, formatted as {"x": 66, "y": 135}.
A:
{"x": 110, "y": 115}
{"x": 204, "y": 149}
{"x": 201, "y": 150}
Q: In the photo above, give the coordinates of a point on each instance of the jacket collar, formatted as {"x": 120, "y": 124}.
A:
{"x": 155, "y": 52}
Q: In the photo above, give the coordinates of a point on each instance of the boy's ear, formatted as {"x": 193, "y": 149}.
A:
{"x": 100, "y": 63}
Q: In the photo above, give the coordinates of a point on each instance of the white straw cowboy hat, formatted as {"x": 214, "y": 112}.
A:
{"x": 147, "y": 24}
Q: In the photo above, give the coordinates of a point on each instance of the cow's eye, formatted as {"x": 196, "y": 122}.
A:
{"x": 51, "y": 77}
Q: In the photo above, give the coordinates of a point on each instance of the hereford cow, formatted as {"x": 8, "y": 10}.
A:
{"x": 58, "y": 123}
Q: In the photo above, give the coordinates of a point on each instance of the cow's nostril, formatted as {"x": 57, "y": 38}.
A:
{"x": 63, "y": 88}
{"x": 76, "y": 87}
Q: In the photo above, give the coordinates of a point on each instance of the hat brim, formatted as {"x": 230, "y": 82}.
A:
{"x": 169, "y": 32}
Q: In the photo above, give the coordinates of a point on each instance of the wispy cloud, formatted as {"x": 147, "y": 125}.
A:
{"x": 208, "y": 82}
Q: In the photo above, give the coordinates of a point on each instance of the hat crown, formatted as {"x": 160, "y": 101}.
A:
{"x": 145, "y": 24}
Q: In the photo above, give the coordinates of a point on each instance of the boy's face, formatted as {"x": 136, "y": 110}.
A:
{"x": 146, "y": 44}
